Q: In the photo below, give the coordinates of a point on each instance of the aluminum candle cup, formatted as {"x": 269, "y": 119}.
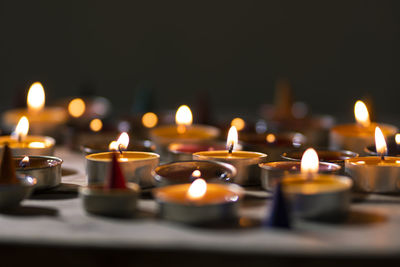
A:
{"x": 325, "y": 197}
{"x": 272, "y": 144}
{"x": 184, "y": 151}
{"x": 113, "y": 202}
{"x": 136, "y": 166}
{"x": 332, "y": 156}
{"x": 355, "y": 138}
{"x": 46, "y": 170}
{"x": 245, "y": 162}
{"x": 30, "y": 145}
{"x": 219, "y": 204}
{"x": 374, "y": 175}
{"x": 11, "y": 195}
{"x": 97, "y": 147}
{"x": 181, "y": 172}
{"x": 273, "y": 172}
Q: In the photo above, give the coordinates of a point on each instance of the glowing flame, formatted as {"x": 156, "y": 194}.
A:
{"x": 113, "y": 146}
{"x": 22, "y": 129}
{"x": 380, "y": 142}
{"x": 123, "y": 141}
{"x": 76, "y": 107}
{"x": 361, "y": 114}
{"x": 149, "y": 120}
{"x": 197, "y": 189}
{"x": 232, "y": 139}
{"x": 270, "y": 138}
{"x": 238, "y": 123}
{"x": 25, "y": 160}
{"x": 196, "y": 174}
{"x": 309, "y": 162}
{"x": 397, "y": 138}
{"x": 183, "y": 118}
{"x": 36, "y": 145}
{"x": 96, "y": 125}
{"x": 36, "y": 97}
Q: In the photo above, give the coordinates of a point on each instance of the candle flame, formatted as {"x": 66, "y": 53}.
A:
{"x": 25, "y": 159}
{"x": 76, "y": 107}
{"x": 380, "y": 142}
{"x": 232, "y": 139}
{"x": 197, "y": 189}
{"x": 196, "y": 174}
{"x": 309, "y": 162}
{"x": 361, "y": 114}
{"x": 397, "y": 138}
{"x": 36, "y": 97}
{"x": 96, "y": 125}
{"x": 123, "y": 141}
{"x": 239, "y": 123}
{"x": 22, "y": 129}
{"x": 149, "y": 120}
{"x": 113, "y": 146}
{"x": 183, "y": 118}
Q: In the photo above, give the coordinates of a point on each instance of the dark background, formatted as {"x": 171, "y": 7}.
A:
{"x": 333, "y": 52}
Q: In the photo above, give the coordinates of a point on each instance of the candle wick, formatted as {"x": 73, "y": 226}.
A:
{"x": 382, "y": 157}
{"x": 19, "y": 138}
{"x": 230, "y": 148}
{"x": 120, "y": 149}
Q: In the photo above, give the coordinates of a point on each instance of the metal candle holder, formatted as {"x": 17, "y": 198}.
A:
{"x": 180, "y": 172}
{"x": 45, "y": 169}
{"x": 48, "y": 150}
{"x": 12, "y": 194}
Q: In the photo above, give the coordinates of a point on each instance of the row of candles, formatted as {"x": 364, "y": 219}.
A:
{"x": 207, "y": 187}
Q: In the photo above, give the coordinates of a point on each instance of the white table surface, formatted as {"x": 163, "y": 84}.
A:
{"x": 373, "y": 228}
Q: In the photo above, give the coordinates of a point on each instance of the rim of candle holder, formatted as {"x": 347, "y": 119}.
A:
{"x": 58, "y": 161}
{"x": 159, "y": 178}
{"x": 295, "y": 155}
{"x": 153, "y": 156}
{"x": 88, "y": 147}
{"x": 269, "y": 166}
{"x": 203, "y": 155}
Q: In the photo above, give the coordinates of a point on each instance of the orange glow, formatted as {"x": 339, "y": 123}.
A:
{"x": 36, "y": 145}
{"x": 361, "y": 114}
{"x": 96, "y": 125}
{"x": 309, "y": 162}
{"x": 197, "y": 189}
{"x": 380, "y": 143}
{"x": 270, "y": 138}
{"x": 397, "y": 138}
{"x": 36, "y": 97}
{"x": 196, "y": 173}
{"x": 113, "y": 146}
{"x": 238, "y": 123}
{"x": 149, "y": 120}
{"x": 232, "y": 139}
{"x": 76, "y": 107}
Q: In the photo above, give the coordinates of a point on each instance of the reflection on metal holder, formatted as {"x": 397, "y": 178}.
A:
{"x": 48, "y": 174}
{"x": 180, "y": 172}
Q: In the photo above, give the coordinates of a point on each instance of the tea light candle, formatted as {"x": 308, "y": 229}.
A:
{"x": 393, "y": 147}
{"x": 43, "y": 120}
{"x": 355, "y": 137}
{"x": 136, "y": 166}
{"x": 184, "y": 151}
{"x": 199, "y": 203}
{"x": 46, "y": 170}
{"x": 23, "y": 144}
{"x": 183, "y": 131}
{"x": 186, "y": 171}
{"x": 273, "y": 172}
{"x": 375, "y": 174}
{"x": 245, "y": 162}
{"x": 317, "y": 196}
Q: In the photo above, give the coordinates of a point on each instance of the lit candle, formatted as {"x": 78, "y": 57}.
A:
{"x": 136, "y": 166}
{"x": 314, "y": 195}
{"x": 23, "y": 144}
{"x": 46, "y": 170}
{"x": 245, "y": 162}
{"x": 356, "y": 137}
{"x": 378, "y": 174}
{"x": 199, "y": 202}
{"x": 42, "y": 120}
{"x": 183, "y": 131}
